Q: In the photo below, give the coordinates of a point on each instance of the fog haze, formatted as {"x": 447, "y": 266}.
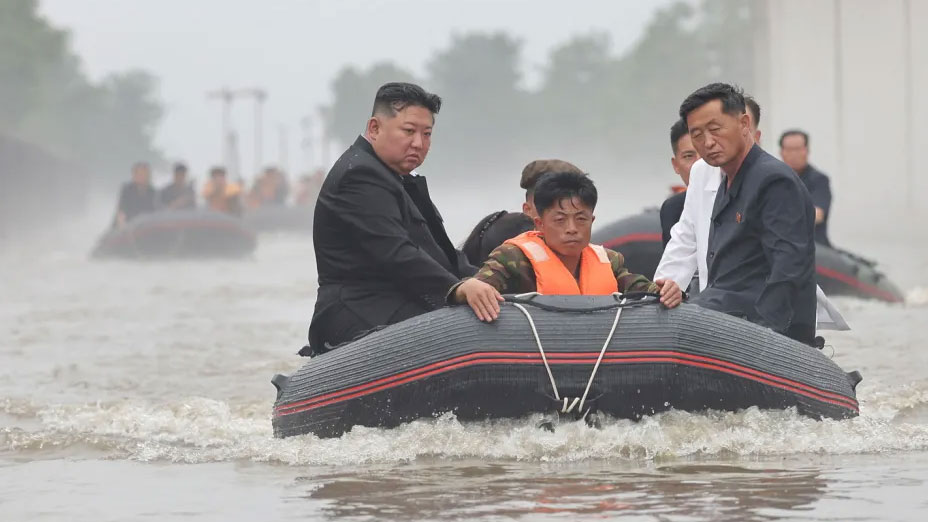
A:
{"x": 295, "y": 48}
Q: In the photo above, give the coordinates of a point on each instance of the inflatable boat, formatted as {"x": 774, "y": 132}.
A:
{"x": 570, "y": 355}
{"x": 179, "y": 234}
{"x": 280, "y": 218}
{"x": 838, "y": 272}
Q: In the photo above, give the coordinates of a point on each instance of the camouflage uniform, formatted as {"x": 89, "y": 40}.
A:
{"x": 510, "y": 272}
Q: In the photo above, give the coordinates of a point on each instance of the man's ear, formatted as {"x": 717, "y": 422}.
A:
{"x": 373, "y": 127}
{"x": 526, "y": 208}
{"x": 746, "y": 124}
{"x": 537, "y": 223}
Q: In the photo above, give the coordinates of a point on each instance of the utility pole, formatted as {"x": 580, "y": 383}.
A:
{"x": 282, "y": 147}
{"x": 229, "y": 139}
{"x": 259, "y": 95}
{"x": 227, "y": 97}
{"x": 324, "y": 114}
{"x": 306, "y": 141}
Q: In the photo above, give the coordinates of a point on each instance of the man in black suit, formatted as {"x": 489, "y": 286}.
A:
{"x": 761, "y": 252}
{"x": 382, "y": 252}
{"x": 794, "y": 149}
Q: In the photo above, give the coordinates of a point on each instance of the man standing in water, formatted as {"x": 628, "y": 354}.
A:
{"x": 382, "y": 253}
{"x": 761, "y": 259}
{"x": 794, "y": 149}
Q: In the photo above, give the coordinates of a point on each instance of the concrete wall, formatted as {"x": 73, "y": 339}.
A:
{"x": 853, "y": 73}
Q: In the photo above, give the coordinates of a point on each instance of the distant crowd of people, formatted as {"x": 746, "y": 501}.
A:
{"x": 138, "y": 196}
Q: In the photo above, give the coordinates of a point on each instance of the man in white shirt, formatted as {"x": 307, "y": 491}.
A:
{"x": 686, "y": 253}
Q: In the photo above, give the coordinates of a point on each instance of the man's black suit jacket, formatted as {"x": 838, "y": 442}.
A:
{"x": 382, "y": 253}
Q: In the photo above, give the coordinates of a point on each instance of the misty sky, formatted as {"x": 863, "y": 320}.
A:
{"x": 293, "y": 48}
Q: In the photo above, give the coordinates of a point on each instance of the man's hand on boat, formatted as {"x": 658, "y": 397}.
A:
{"x": 671, "y": 295}
{"x": 481, "y": 297}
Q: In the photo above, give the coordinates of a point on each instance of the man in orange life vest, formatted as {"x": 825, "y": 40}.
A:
{"x": 556, "y": 258}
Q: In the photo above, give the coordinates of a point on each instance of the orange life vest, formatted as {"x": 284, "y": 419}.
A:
{"x": 553, "y": 278}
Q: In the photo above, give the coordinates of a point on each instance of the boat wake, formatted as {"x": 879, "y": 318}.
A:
{"x": 198, "y": 430}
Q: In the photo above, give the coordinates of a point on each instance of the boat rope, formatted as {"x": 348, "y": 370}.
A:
{"x": 615, "y": 323}
{"x": 541, "y": 350}
{"x": 568, "y": 404}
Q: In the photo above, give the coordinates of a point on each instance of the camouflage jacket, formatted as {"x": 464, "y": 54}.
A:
{"x": 510, "y": 272}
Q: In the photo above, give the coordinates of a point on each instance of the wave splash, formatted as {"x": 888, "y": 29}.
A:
{"x": 199, "y": 430}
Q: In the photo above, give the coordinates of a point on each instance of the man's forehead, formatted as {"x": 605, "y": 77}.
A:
{"x": 415, "y": 115}
{"x": 572, "y": 205}
{"x": 707, "y": 112}
{"x": 685, "y": 144}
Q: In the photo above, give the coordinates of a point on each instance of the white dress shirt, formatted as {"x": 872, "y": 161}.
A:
{"x": 687, "y": 251}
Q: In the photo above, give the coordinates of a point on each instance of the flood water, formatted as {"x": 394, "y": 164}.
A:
{"x": 141, "y": 391}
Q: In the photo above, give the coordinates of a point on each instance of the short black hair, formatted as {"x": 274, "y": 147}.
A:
{"x": 677, "y": 131}
{"x": 140, "y": 165}
{"x": 217, "y": 171}
{"x": 731, "y": 96}
{"x": 396, "y": 96}
{"x": 554, "y": 187}
{"x": 795, "y": 132}
{"x": 753, "y": 108}
{"x": 180, "y": 168}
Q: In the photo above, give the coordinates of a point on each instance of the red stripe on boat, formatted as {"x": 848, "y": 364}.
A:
{"x": 858, "y": 284}
{"x": 633, "y": 238}
{"x": 565, "y": 358}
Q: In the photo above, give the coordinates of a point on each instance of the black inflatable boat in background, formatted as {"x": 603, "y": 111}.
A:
{"x": 280, "y": 218}
{"x": 688, "y": 358}
{"x": 838, "y": 272}
{"x": 179, "y": 234}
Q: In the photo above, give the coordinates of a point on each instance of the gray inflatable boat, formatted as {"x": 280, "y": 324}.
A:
{"x": 568, "y": 354}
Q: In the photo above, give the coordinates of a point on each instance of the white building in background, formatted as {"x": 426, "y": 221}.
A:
{"x": 854, "y": 74}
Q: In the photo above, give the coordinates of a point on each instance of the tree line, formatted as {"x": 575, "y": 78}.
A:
{"x": 48, "y": 101}
{"x": 590, "y": 100}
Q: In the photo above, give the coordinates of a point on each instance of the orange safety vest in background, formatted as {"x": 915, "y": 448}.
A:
{"x": 553, "y": 278}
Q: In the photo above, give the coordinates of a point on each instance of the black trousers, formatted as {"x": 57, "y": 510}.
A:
{"x": 342, "y": 324}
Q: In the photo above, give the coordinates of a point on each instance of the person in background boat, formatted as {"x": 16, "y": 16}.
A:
{"x": 556, "y": 258}
{"x": 499, "y": 226}
{"x": 307, "y": 189}
{"x": 136, "y": 197}
{"x": 268, "y": 190}
{"x": 794, "y": 149}
{"x": 382, "y": 253}
{"x": 179, "y": 194}
{"x": 222, "y": 196}
{"x": 684, "y": 155}
{"x": 761, "y": 259}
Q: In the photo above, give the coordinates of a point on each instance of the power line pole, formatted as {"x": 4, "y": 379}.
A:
{"x": 229, "y": 140}
{"x": 283, "y": 147}
{"x": 226, "y": 97}
{"x": 306, "y": 141}
{"x": 260, "y": 96}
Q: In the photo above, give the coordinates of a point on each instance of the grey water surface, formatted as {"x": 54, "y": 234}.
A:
{"x": 140, "y": 391}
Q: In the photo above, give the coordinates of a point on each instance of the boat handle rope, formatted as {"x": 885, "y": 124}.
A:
{"x": 568, "y": 405}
